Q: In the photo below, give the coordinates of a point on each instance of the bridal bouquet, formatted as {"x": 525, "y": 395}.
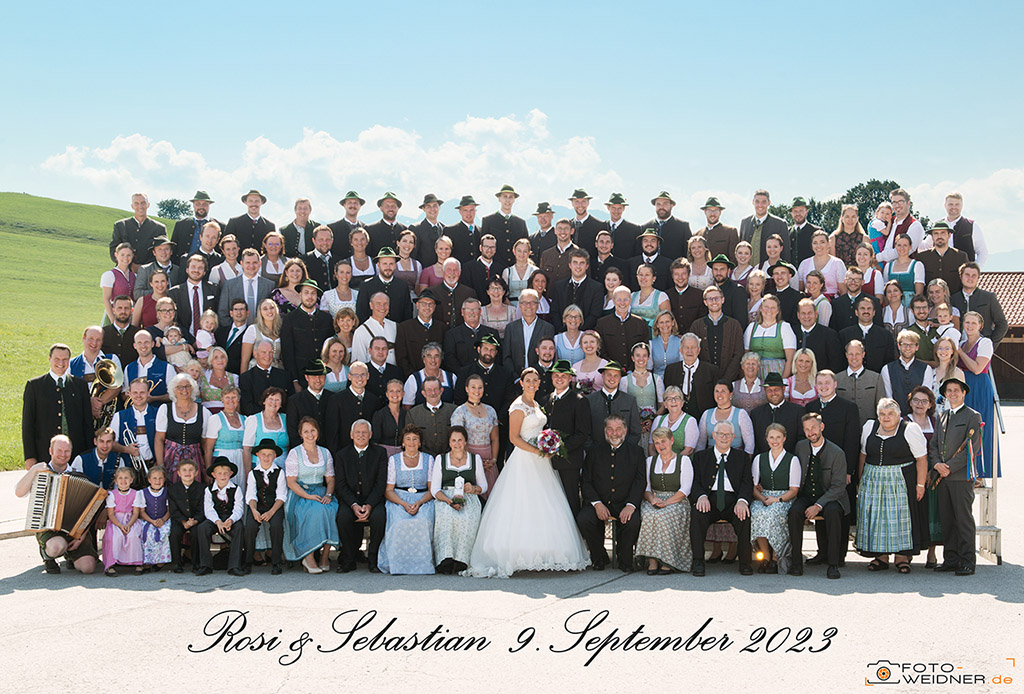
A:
{"x": 550, "y": 443}
{"x": 586, "y": 385}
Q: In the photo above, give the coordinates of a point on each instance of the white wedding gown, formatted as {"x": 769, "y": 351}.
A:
{"x": 527, "y": 524}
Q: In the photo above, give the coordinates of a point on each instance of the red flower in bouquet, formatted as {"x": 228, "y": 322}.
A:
{"x": 550, "y": 443}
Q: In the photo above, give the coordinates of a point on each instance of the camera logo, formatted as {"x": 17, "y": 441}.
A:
{"x": 882, "y": 672}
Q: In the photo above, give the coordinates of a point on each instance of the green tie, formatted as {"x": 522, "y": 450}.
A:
{"x": 755, "y": 243}
{"x": 63, "y": 408}
{"x": 720, "y": 492}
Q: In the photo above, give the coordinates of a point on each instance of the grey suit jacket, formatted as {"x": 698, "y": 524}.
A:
{"x": 624, "y": 405}
{"x": 865, "y": 392}
{"x": 772, "y": 225}
{"x": 514, "y": 347}
{"x": 234, "y": 289}
{"x": 833, "y": 472}
{"x": 950, "y": 432}
{"x": 985, "y": 303}
{"x": 175, "y": 276}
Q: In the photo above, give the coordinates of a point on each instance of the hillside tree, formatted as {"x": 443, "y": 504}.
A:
{"x": 173, "y": 208}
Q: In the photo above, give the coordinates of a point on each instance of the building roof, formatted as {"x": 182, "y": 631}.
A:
{"x": 1009, "y": 289}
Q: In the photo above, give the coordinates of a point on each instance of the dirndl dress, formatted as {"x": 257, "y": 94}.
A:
{"x": 665, "y": 532}
{"x": 772, "y": 522}
{"x": 455, "y": 531}
{"x": 119, "y": 548}
{"x": 407, "y": 547}
{"x": 156, "y": 542}
{"x": 982, "y": 398}
{"x": 229, "y": 445}
{"x": 771, "y": 350}
{"x": 308, "y": 524}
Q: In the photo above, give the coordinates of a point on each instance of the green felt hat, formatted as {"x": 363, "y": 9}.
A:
{"x": 783, "y": 263}
{"x": 650, "y": 231}
{"x": 612, "y": 366}
{"x": 465, "y": 201}
{"x": 941, "y": 224}
{"x": 722, "y": 258}
{"x": 222, "y": 461}
{"x": 386, "y": 252}
{"x": 488, "y": 339}
{"x": 315, "y": 367}
{"x": 253, "y": 191}
{"x": 543, "y": 208}
{"x": 774, "y": 378}
{"x": 161, "y": 240}
{"x": 201, "y": 195}
{"x": 351, "y": 195}
{"x": 389, "y": 196}
{"x": 562, "y": 366}
{"x": 429, "y": 198}
{"x": 308, "y": 283}
{"x": 663, "y": 195}
{"x": 506, "y": 189}
{"x": 616, "y": 199}
{"x": 799, "y": 201}
{"x": 712, "y": 202}
{"x": 579, "y": 194}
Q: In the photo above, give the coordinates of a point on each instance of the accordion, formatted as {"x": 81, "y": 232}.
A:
{"x": 64, "y": 503}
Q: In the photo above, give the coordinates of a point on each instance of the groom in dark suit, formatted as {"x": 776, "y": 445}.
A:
{"x": 613, "y": 486}
{"x": 568, "y": 414}
{"x": 722, "y": 488}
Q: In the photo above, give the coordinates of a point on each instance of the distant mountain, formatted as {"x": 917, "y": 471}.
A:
{"x": 1006, "y": 261}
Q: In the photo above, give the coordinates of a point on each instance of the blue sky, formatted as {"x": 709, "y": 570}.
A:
{"x": 453, "y": 98}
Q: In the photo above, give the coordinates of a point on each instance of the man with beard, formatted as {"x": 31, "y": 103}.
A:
{"x": 486, "y": 266}
{"x": 612, "y": 402}
{"x": 504, "y": 226}
{"x": 719, "y": 238}
{"x": 584, "y": 225}
{"x": 623, "y": 233}
{"x": 544, "y": 237}
{"x": 941, "y": 260}
{"x": 674, "y": 233}
{"x": 777, "y": 410}
{"x": 138, "y": 230}
{"x": 685, "y": 302}
{"x": 251, "y": 227}
{"x": 194, "y": 296}
{"x": 341, "y": 229}
{"x": 604, "y": 258}
{"x": 385, "y": 281}
{"x": 298, "y": 235}
{"x": 460, "y": 341}
{"x": 802, "y": 232}
{"x": 465, "y": 234}
{"x": 162, "y": 249}
{"x": 412, "y": 335}
{"x": 844, "y": 306}
{"x": 651, "y": 253}
{"x": 186, "y": 231}
{"x": 721, "y": 337}
{"x": 451, "y": 293}
{"x": 902, "y": 223}
{"x": 384, "y": 233}
{"x": 429, "y": 230}
{"x": 756, "y": 229}
{"x": 498, "y": 381}
{"x": 734, "y": 296}
{"x": 569, "y": 415}
{"x": 879, "y": 345}
{"x": 118, "y": 337}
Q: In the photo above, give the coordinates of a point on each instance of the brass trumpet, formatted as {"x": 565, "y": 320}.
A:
{"x": 109, "y": 376}
{"x": 138, "y": 462}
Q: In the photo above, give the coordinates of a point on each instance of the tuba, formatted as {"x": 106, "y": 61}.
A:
{"x": 108, "y": 376}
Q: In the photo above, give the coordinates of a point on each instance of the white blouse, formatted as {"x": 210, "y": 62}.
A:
{"x": 668, "y": 468}
{"x": 773, "y": 463}
{"x": 912, "y": 433}
{"x": 757, "y": 330}
{"x": 471, "y": 459}
{"x": 291, "y": 462}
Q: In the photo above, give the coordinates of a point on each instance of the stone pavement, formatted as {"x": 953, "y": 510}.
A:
{"x": 144, "y": 630}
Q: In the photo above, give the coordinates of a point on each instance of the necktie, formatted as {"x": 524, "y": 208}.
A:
{"x": 250, "y": 296}
{"x": 197, "y": 228}
{"x": 507, "y": 216}
{"x": 63, "y": 408}
{"x": 755, "y": 243}
{"x": 613, "y": 227}
{"x": 803, "y": 338}
{"x": 688, "y": 382}
{"x": 609, "y": 404}
{"x": 661, "y": 225}
{"x": 720, "y": 492}
{"x": 231, "y": 336}
{"x": 775, "y": 411}
{"x": 327, "y": 268}
{"x": 195, "y": 309}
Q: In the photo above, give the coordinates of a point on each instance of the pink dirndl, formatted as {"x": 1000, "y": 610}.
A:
{"x": 119, "y": 548}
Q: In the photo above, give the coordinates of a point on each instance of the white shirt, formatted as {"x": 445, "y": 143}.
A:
{"x": 366, "y": 331}
{"x": 888, "y": 252}
{"x": 281, "y": 491}
{"x": 773, "y": 463}
{"x": 143, "y": 441}
{"x": 929, "y": 375}
{"x": 527, "y": 336}
{"x": 237, "y": 510}
{"x": 912, "y": 433}
{"x": 162, "y": 415}
{"x": 436, "y": 469}
{"x": 668, "y": 468}
{"x": 980, "y": 247}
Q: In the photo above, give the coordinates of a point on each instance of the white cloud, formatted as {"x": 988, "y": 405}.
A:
{"x": 476, "y": 157}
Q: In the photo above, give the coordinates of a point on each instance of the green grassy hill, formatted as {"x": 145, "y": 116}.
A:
{"x": 52, "y": 254}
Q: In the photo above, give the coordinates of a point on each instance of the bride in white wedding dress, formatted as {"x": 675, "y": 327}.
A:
{"x": 527, "y": 524}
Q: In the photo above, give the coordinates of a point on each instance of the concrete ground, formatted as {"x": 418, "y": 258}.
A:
{"x": 92, "y": 633}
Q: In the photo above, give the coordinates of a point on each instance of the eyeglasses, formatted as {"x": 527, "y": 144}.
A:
{"x": 921, "y": 401}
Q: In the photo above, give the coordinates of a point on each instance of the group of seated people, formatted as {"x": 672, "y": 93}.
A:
{"x": 230, "y": 355}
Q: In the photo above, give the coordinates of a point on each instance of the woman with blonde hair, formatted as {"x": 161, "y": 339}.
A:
{"x": 800, "y": 386}
{"x": 772, "y": 339}
{"x": 665, "y": 512}
{"x": 699, "y": 257}
{"x": 265, "y": 326}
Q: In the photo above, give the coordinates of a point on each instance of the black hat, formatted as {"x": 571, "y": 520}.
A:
{"x": 253, "y": 191}
{"x": 543, "y": 208}
{"x": 562, "y": 366}
{"x": 488, "y": 339}
{"x": 954, "y": 379}
{"x": 722, "y": 258}
{"x": 774, "y": 378}
{"x": 315, "y": 367}
{"x": 429, "y": 198}
{"x": 221, "y": 461}
{"x": 783, "y": 263}
{"x": 426, "y": 295}
{"x": 267, "y": 445}
{"x": 161, "y": 240}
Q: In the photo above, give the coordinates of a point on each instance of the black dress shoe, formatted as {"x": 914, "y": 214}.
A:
{"x": 236, "y": 572}
{"x": 346, "y": 567}
{"x": 179, "y": 569}
{"x": 944, "y": 568}
{"x": 816, "y": 559}
{"x": 833, "y": 571}
{"x": 275, "y": 570}
{"x": 965, "y": 570}
{"x": 246, "y": 570}
{"x": 745, "y": 570}
{"x": 698, "y": 568}
{"x": 626, "y": 568}
{"x": 796, "y": 570}
{"x": 374, "y": 569}
{"x": 51, "y": 566}
{"x": 203, "y": 571}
